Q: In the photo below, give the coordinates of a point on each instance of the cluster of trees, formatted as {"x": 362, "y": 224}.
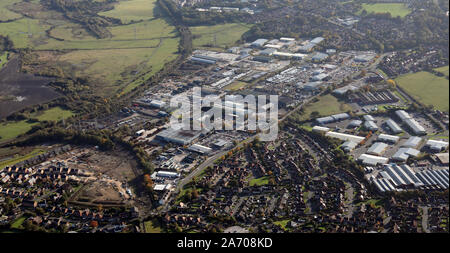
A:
{"x": 6, "y": 43}
{"x": 85, "y": 12}
{"x": 57, "y": 134}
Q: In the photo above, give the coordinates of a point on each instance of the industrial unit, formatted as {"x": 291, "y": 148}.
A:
{"x": 388, "y": 138}
{"x": 393, "y": 126}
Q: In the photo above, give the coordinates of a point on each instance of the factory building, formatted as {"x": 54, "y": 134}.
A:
{"x": 442, "y": 158}
{"x": 319, "y": 129}
{"x": 403, "y": 154}
{"x": 259, "y": 43}
{"x": 181, "y": 137}
{"x": 319, "y": 77}
{"x": 354, "y": 123}
{"x": 370, "y": 125}
{"x": 369, "y": 118}
{"x": 318, "y": 57}
{"x": 324, "y": 120}
{"x": 412, "y": 142}
{"x": 378, "y": 148}
{"x": 317, "y": 40}
{"x": 393, "y": 126}
{"x": 412, "y": 124}
{"x": 268, "y": 51}
{"x": 402, "y": 176}
{"x": 261, "y": 58}
{"x": 402, "y": 115}
{"x": 372, "y": 160}
{"x": 165, "y": 174}
{"x": 307, "y": 48}
{"x": 345, "y": 137}
{"x": 195, "y": 59}
{"x": 332, "y": 118}
{"x": 349, "y": 146}
{"x": 283, "y": 39}
{"x": 200, "y": 149}
{"x": 340, "y": 116}
{"x": 436, "y": 146}
{"x": 415, "y": 126}
{"x": 313, "y": 86}
{"x": 388, "y": 138}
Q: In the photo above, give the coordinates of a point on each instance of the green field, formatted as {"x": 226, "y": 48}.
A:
{"x": 3, "y": 59}
{"x": 132, "y": 10}
{"x": 225, "y": 35}
{"x": 259, "y": 181}
{"x": 427, "y": 88}
{"x": 444, "y": 70}
{"x": 24, "y": 32}
{"x": 152, "y": 226}
{"x": 235, "y": 86}
{"x": 395, "y": 9}
{"x": 282, "y": 223}
{"x": 134, "y": 52}
{"x": 327, "y": 105}
{"x": 145, "y": 34}
{"x": 54, "y": 114}
{"x": 18, "y": 159}
{"x": 17, "y": 224}
{"x": 5, "y": 13}
{"x": 11, "y": 130}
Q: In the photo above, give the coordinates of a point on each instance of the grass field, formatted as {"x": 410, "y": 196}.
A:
{"x": 427, "y": 88}
{"x": 3, "y": 59}
{"x": 327, "y": 105}
{"x": 259, "y": 181}
{"x": 132, "y": 10}
{"x": 145, "y": 34}
{"x": 24, "y": 31}
{"x": 165, "y": 53}
{"x": 226, "y": 34}
{"x": 17, "y": 224}
{"x": 54, "y": 114}
{"x": 18, "y": 159}
{"x": 282, "y": 223}
{"x": 6, "y": 14}
{"x": 395, "y": 9}
{"x": 152, "y": 226}
{"x": 136, "y": 50}
{"x": 444, "y": 70}
{"x": 11, "y": 130}
{"x": 235, "y": 86}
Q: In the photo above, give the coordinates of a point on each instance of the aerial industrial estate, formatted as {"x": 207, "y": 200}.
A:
{"x": 361, "y": 145}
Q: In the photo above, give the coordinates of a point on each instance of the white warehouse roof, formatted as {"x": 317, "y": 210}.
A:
{"x": 437, "y": 145}
{"x": 372, "y": 160}
{"x": 415, "y": 126}
{"x": 404, "y": 153}
{"x": 412, "y": 142}
{"x": 345, "y": 137}
{"x": 349, "y": 145}
{"x": 370, "y": 125}
{"x": 320, "y": 129}
{"x": 395, "y": 128}
{"x": 402, "y": 115}
{"x": 368, "y": 117}
{"x": 199, "y": 148}
{"x": 388, "y": 138}
{"x": 377, "y": 148}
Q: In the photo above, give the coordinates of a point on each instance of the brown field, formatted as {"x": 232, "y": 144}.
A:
{"x": 19, "y": 90}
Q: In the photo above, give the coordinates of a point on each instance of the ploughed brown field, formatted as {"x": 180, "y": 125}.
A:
{"x": 20, "y": 90}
